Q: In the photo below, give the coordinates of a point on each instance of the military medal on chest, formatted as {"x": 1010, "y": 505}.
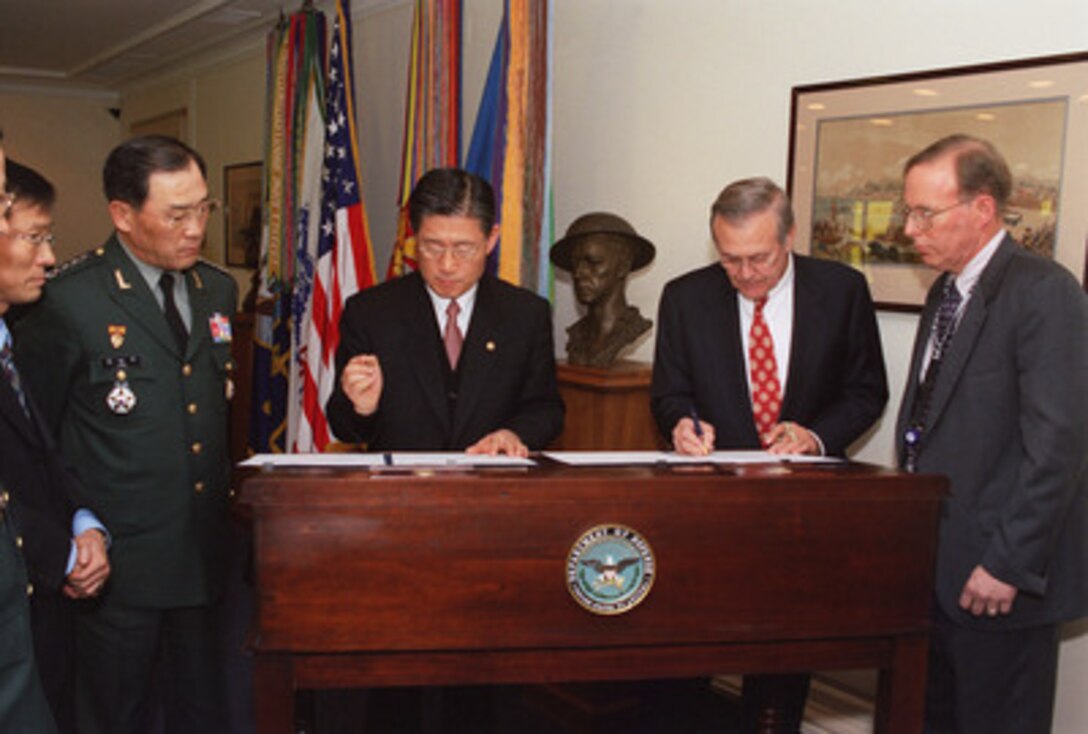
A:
{"x": 121, "y": 400}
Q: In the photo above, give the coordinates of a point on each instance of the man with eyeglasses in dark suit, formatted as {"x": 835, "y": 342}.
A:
{"x": 996, "y": 400}
{"x": 63, "y": 541}
{"x": 23, "y": 705}
{"x": 448, "y": 358}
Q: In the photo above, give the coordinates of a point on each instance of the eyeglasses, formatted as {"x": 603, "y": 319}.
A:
{"x": 461, "y": 250}
{"x": 35, "y": 238}
{"x": 179, "y": 215}
{"x": 7, "y": 201}
{"x": 922, "y": 218}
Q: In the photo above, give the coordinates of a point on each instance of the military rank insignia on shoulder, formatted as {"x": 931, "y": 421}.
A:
{"x": 215, "y": 266}
{"x": 76, "y": 263}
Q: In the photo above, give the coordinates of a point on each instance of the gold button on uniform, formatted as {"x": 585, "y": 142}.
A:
{"x": 30, "y": 589}
{"x": 199, "y": 487}
{"x": 18, "y": 541}
{"x": 4, "y": 498}
{"x": 191, "y": 407}
{"x": 187, "y": 370}
{"x": 196, "y": 447}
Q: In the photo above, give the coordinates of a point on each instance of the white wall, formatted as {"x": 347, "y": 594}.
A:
{"x": 224, "y": 103}
{"x": 65, "y": 137}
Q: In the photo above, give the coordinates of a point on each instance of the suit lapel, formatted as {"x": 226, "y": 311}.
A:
{"x": 804, "y": 334}
{"x": 726, "y": 357}
{"x": 200, "y": 311}
{"x": 129, "y": 290}
{"x": 420, "y": 329}
{"x": 921, "y": 340}
{"x": 12, "y": 410}
{"x": 968, "y": 330}
{"x": 478, "y": 355}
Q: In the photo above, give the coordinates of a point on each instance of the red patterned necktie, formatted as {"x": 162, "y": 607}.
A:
{"x": 766, "y": 391}
{"x": 453, "y": 337}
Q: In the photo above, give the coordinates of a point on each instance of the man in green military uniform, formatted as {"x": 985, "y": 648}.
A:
{"x": 129, "y": 354}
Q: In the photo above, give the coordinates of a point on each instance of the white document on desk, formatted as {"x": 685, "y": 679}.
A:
{"x": 455, "y": 459}
{"x": 635, "y": 458}
{"x": 447, "y": 460}
{"x": 342, "y": 459}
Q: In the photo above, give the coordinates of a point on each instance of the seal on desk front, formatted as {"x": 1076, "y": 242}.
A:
{"x": 610, "y": 569}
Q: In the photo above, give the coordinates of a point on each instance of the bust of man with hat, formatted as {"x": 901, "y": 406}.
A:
{"x": 599, "y": 250}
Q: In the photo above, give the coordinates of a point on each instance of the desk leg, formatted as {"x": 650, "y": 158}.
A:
{"x": 273, "y": 694}
{"x": 901, "y": 698}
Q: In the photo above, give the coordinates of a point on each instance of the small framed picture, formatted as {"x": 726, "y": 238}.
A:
{"x": 242, "y": 214}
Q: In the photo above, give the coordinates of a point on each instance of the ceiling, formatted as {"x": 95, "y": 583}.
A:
{"x": 100, "y": 45}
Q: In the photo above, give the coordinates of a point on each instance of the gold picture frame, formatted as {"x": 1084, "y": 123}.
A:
{"x": 849, "y": 141}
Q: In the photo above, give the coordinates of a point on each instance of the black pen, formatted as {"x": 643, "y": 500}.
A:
{"x": 698, "y": 428}
{"x": 695, "y": 420}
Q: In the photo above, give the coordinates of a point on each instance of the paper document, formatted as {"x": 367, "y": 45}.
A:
{"x": 456, "y": 459}
{"x": 373, "y": 460}
{"x": 634, "y": 458}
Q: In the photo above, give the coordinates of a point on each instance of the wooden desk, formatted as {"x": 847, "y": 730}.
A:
{"x": 398, "y": 579}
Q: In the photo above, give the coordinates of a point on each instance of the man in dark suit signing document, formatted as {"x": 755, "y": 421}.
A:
{"x": 448, "y": 358}
{"x": 766, "y": 349}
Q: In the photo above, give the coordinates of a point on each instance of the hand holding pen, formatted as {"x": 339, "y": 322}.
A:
{"x": 692, "y": 436}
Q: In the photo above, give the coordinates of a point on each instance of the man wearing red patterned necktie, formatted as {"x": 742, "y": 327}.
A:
{"x": 766, "y": 349}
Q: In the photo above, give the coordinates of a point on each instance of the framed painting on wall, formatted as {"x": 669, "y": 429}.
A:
{"x": 242, "y": 214}
{"x": 849, "y": 141}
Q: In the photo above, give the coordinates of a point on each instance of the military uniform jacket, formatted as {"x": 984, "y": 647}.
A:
{"x": 156, "y": 471}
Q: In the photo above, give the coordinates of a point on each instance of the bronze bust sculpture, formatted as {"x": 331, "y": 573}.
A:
{"x": 599, "y": 250}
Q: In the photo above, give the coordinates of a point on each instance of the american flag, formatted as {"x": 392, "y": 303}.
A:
{"x": 344, "y": 262}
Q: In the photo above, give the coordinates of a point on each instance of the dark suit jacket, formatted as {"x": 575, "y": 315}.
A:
{"x": 157, "y": 477}
{"x": 1008, "y": 424}
{"x": 835, "y": 384}
{"x": 23, "y": 706}
{"x": 42, "y": 488}
{"x": 506, "y": 373}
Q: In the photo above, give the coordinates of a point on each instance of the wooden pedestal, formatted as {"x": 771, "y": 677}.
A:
{"x": 607, "y": 409}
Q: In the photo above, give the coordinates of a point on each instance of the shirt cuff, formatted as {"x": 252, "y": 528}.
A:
{"x": 83, "y": 521}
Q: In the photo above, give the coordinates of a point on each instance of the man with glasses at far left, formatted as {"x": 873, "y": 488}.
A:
{"x": 129, "y": 354}
{"x": 23, "y": 706}
{"x": 63, "y": 542}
